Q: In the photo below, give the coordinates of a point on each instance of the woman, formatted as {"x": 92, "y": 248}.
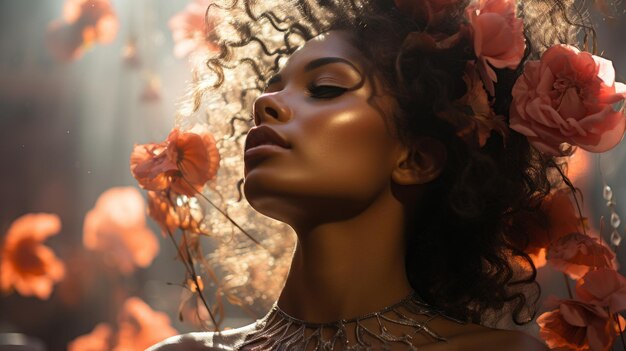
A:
{"x": 385, "y": 143}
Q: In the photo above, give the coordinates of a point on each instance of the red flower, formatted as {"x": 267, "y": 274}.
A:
{"x": 27, "y": 265}
{"x": 578, "y": 326}
{"x": 604, "y": 287}
{"x": 184, "y": 163}
{"x": 576, "y": 254}
{"x": 568, "y": 97}
{"x": 141, "y": 327}
{"x": 117, "y": 228}
{"x": 498, "y": 37}
{"x": 98, "y": 340}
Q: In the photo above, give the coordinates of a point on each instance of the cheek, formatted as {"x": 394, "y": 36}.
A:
{"x": 353, "y": 142}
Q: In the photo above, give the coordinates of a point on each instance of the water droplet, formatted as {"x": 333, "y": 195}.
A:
{"x": 88, "y": 172}
{"x": 67, "y": 131}
{"x": 607, "y": 193}
{"x": 616, "y": 239}
{"x": 615, "y": 221}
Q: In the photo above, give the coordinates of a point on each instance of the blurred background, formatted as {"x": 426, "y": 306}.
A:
{"x": 79, "y": 87}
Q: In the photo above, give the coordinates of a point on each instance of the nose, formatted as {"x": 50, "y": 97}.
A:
{"x": 269, "y": 108}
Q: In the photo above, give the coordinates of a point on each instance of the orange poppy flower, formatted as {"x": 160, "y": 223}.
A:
{"x": 184, "y": 162}
{"x": 184, "y": 215}
{"x": 27, "y": 265}
{"x": 117, "y": 228}
{"x": 98, "y": 340}
{"x": 141, "y": 327}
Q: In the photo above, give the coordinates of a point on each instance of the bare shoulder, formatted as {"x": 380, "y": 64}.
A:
{"x": 204, "y": 341}
{"x": 488, "y": 339}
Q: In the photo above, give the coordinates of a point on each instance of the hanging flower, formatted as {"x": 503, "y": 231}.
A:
{"x": 578, "y": 326}
{"x": 569, "y": 97}
{"x": 604, "y": 287}
{"x": 192, "y": 32}
{"x": 184, "y": 162}
{"x": 25, "y": 264}
{"x": 185, "y": 214}
{"x": 576, "y": 254}
{"x": 98, "y": 340}
{"x": 498, "y": 37}
{"x": 141, "y": 327}
{"x": 84, "y": 23}
{"x": 116, "y": 227}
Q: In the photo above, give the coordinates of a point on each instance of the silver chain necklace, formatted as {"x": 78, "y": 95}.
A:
{"x": 395, "y": 325}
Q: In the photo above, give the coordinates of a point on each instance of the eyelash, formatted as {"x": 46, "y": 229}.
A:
{"x": 325, "y": 91}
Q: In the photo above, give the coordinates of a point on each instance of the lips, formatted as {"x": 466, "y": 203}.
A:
{"x": 264, "y": 135}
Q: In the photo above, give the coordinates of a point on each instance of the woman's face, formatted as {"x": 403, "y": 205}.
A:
{"x": 319, "y": 144}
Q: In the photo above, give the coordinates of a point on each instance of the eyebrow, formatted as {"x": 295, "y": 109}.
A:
{"x": 314, "y": 64}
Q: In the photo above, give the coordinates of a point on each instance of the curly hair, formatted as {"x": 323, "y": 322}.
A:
{"x": 465, "y": 244}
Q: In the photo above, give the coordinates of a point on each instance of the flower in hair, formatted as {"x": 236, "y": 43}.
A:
{"x": 183, "y": 163}
{"x": 569, "y": 97}
{"x": 472, "y": 114}
{"x": 498, "y": 37}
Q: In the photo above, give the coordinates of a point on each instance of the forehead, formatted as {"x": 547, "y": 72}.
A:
{"x": 330, "y": 44}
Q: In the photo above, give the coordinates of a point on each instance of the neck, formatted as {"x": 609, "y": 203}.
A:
{"x": 350, "y": 267}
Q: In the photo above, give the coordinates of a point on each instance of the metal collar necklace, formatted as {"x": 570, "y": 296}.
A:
{"x": 395, "y": 325}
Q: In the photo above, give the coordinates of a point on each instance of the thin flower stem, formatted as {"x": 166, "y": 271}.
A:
{"x": 194, "y": 277}
{"x": 569, "y": 288}
{"x": 223, "y": 213}
{"x": 190, "y": 270}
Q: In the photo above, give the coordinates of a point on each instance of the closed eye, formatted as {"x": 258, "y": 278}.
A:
{"x": 325, "y": 91}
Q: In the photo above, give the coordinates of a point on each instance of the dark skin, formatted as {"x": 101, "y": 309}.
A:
{"x": 337, "y": 185}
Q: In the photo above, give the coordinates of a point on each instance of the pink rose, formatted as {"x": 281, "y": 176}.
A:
{"x": 568, "y": 97}
{"x": 498, "y": 37}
